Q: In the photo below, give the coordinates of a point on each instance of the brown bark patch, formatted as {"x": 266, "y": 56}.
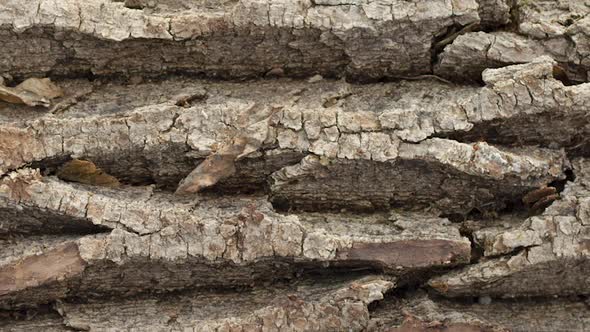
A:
{"x": 409, "y": 253}
{"x": 56, "y": 264}
{"x": 417, "y": 326}
{"x": 217, "y": 166}
{"x": 84, "y": 171}
{"x": 17, "y": 146}
{"x": 538, "y": 194}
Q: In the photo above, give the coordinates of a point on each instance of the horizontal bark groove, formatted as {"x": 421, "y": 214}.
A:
{"x": 335, "y": 303}
{"x": 334, "y": 127}
{"x": 540, "y": 250}
{"x": 239, "y": 237}
{"x": 303, "y": 37}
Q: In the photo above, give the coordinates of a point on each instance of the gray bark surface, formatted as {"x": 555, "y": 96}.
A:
{"x": 308, "y": 165}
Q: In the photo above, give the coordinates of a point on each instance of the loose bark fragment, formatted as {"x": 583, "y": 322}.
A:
{"x": 84, "y": 171}
{"x": 15, "y": 247}
{"x": 42, "y": 87}
{"x": 537, "y": 194}
{"x": 186, "y": 98}
{"x": 22, "y": 97}
{"x": 217, "y": 166}
{"x": 31, "y": 92}
{"x": 544, "y": 202}
{"x": 69, "y": 101}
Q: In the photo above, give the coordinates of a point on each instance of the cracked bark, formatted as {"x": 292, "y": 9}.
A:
{"x": 153, "y": 233}
{"x": 551, "y": 244}
{"x": 290, "y": 204}
{"x": 325, "y": 305}
{"x": 558, "y": 29}
{"x": 362, "y": 39}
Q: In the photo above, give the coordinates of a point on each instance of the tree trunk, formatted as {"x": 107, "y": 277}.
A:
{"x": 266, "y": 165}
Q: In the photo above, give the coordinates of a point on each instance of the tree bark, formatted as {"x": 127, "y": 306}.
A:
{"x": 269, "y": 165}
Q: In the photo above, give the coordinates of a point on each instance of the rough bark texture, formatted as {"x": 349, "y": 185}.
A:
{"x": 549, "y": 251}
{"x": 308, "y": 165}
{"x": 229, "y": 38}
{"x": 556, "y": 28}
